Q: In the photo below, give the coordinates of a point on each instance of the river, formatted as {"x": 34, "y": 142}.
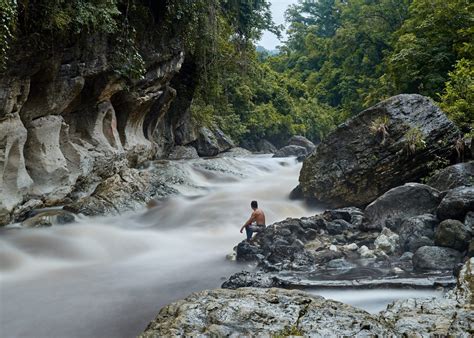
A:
{"x": 108, "y": 276}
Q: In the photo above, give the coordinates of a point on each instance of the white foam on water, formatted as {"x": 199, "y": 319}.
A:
{"x": 108, "y": 276}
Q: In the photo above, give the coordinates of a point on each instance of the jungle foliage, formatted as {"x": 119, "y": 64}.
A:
{"x": 341, "y": 55}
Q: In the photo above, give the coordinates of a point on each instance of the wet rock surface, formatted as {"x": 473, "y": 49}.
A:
{"x": 272, "y": 312}
{"x": 302, "y": 141}
{"x": 450, "y": 315}
{"x": 456, "y": 204}
{"x": 291, "y": 150}
{"x": 397, "y": 204}
{"x": 458, "y": 175}
{"x": 436, "y": 258}
{"x": 212, "y": 142}
{"x": 352, "y": 166}
{"x": 453, "y": 234}
{"x": 182, "y": 153}
{"x": 257, "y": 312}
{"x": 338, "y": 247}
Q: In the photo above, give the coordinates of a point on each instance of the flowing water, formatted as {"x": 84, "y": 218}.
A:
{"x": 108, "y": 276}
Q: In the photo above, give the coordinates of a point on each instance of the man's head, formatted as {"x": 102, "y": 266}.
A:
{"x": 254, "y": 205}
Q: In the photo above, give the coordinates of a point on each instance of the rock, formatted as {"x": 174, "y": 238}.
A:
{"x": 351, "y": 215}
{"x": 247, "y": 252}
{"x": 351, "y": 247}
{"x": 236, "y": 152}
{"x": 49, "y": 218}
{"x": 387, "y": 241}
{"x": 262, "y": 312}
{"x": 453, "y": 234}
{"x": 340, "y": 263}
{"x": 448, "y": 316}
{"x": 128, "y": 190}
{"x": 365, "y": 252}
{"x": 14, "y": 179}
{"x": 469, "y": 221}
{"x": 470, "y": 250}
{"x": 24, "y": 211}
{"x": 411, "y": 199}
{"x": 211, "y": 143}
{"x": 461, "y": 174}
{"x": 353, "y": 166}
{"x": 296, "y": 193}
{"x": 456, "y": 204}
{"x": 183, "y": 152}
{"x": 338, "y": 226}
{"x": 406, "y": 257}
{"x": 435, "y": 258}
{"x": 417, "y": 231}
{"x": 333, "y": 248}
{"x": 253, "y": 279}
{"x": 266, "y": 147}
{"x": 302, "y": 141}
{"x": 291, "y": 151}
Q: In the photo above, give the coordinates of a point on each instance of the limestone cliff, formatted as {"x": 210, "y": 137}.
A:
{"x": 68, "y": 120}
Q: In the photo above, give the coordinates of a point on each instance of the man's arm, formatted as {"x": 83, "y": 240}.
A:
{"x": 250, "y": 220}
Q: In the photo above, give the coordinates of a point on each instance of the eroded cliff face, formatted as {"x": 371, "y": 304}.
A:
{"x": 68, "y": 121}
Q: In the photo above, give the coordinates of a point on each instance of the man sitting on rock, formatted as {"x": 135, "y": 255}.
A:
{"x": 258, "y": 217}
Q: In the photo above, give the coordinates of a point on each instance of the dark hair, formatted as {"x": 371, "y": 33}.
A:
{"x": 254, "y": 204}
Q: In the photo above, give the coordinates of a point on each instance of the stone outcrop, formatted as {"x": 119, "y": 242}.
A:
{"x": 182, "y": 152}
{"x": 397, "y": 204}
{"x": 291, "y": 150}
{"x": 450, "y": 315}
{"x": 302, "y": 141}
{"x": 266, "y": 147}
{"x": 456, "y": 204}
{"x": 436, "y": 258}
{"x": 260, "y": 312}
{"x": 417, "y": 231}
{"x": 377, "y": 150}
{"x": 69, "y": 121}
{"x": 458, "y": 175}
{"x": 453, "y": 234}
{"x": 278, "y": 312}
{"x": 212, "y": 142}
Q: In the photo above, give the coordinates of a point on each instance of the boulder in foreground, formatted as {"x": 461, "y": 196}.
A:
{"x": 382, "y": 147}
{"x": 257, "y": 312}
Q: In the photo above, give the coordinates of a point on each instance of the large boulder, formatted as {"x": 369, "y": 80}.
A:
{"x": 458, "y": 175}
{"x": 453, "y": 234}
{"x": 448, "y": 316}
{"x": 291, "y": 151}
{"x": 211, "y": 143}
{"x": 397, "y": 204}
{"x": 416, "y": 232}
{"x": 183, "y": 152}
{"x": 456, "y": 204}
{"x": 382, "y": 147}
{"x": 266, "y": 147}
{"x": 302, "y": 141}
{"x": 248, "y": 312}
{"x": 435, "y": 258}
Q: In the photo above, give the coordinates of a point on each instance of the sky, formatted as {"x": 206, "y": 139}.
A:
{"x": 278, "y": 7}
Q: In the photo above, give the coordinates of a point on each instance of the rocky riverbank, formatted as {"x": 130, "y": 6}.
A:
{"x": 279, "y": 312}
{"x": 412, "y": 231}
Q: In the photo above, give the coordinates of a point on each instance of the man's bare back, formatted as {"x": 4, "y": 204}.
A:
{"x": 258, "y": 216}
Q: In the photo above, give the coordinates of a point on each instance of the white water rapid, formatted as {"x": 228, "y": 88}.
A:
{"x": 108, "y": 276}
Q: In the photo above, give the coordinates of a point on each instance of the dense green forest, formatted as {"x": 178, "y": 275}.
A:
{"x": 341, "y": 55}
